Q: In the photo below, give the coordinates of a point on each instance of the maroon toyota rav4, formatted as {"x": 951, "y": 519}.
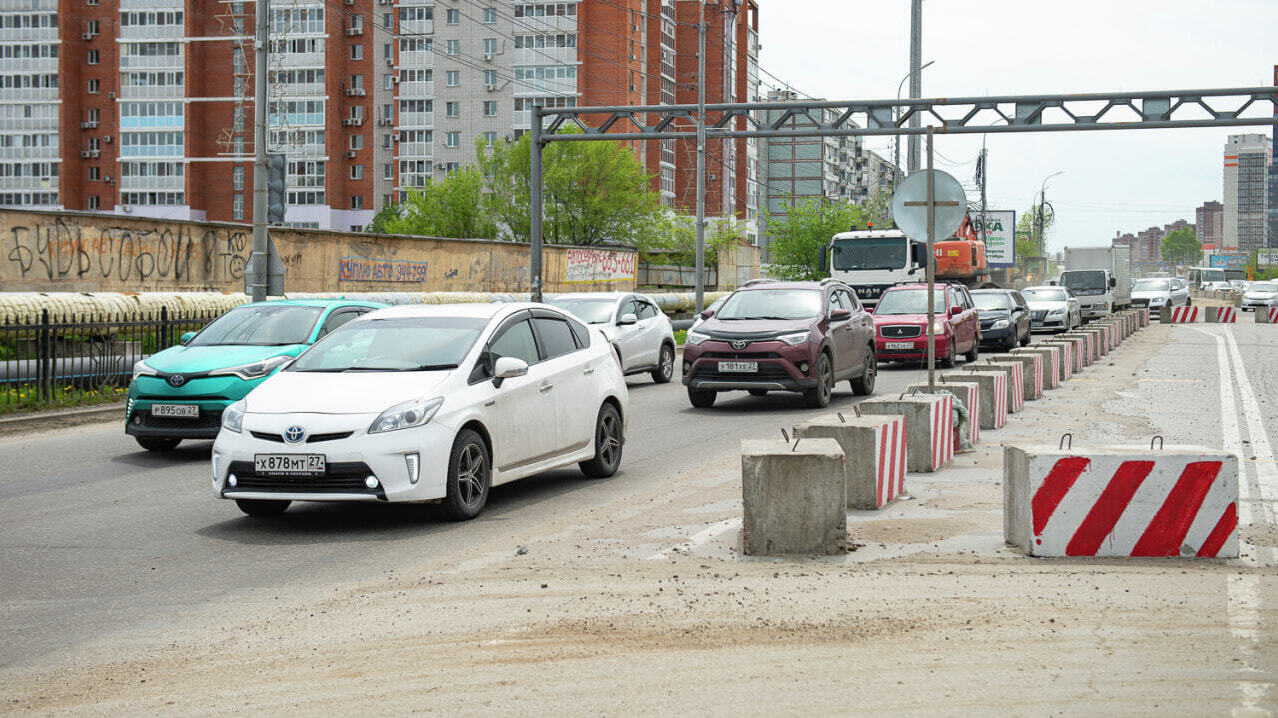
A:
{"x": 782, "y": 336}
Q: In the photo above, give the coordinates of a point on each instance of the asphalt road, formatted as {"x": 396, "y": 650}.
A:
{"x": 100, "y": 539}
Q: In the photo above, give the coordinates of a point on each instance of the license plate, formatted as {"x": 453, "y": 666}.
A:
{"x": 181, "y": 411}
{"x": 288, "y": 464}
{"x": 899, "y": 345}
{"x": 744, "y": 367}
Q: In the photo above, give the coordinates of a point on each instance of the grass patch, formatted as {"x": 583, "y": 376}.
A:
{"x": 26, "y": 397}
{"x": 680, "y": 336}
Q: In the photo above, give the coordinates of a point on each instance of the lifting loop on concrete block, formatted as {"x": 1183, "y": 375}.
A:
{"x": 796, "y": 444}
{"x": 1159, "y": 439}
{"x": 857, "y": 409}
{"x": 841, "y": 419}
{"x": 1062, "y": 444}
{"x": 785, "y": 435}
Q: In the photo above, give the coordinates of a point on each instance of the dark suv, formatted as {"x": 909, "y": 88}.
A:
{"x": 782, "y": 336}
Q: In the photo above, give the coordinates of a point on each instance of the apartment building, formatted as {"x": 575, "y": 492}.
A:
{"x": 1209, "y": 218}
{"x": 1247, "y": 160}
{"x": 146, "y": 106}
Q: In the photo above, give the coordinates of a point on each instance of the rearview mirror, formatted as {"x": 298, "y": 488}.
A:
{"x": 840, "y": 314}
{"x": 1113, "y": 282}
{"x": 188, "y": 336}
{"x": 955, "y": 311}
{"x": 707, "y": 314}
{"x": 823, "y": 261}
{"x": 626, "y": 320}
{"x": 508, "y": 368}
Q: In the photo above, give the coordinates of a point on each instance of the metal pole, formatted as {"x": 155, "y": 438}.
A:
{"x": 257, "y": 279}
{"x": 896, "y": 120}
{"x": 916, "y": 77}
{"x": 701, "y": 157}
{"x": 534, "y": 187}
{"x": 931, "y": 268}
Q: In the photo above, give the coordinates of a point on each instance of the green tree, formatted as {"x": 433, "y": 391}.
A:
{"x": 1180, "y": 246}
{"x": 799, "y": 238}
{"x": 452, "y": 207}
{"x": 672, "y": 239}
{"x": 594, "y": 192}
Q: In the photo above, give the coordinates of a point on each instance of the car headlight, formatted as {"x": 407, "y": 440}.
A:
{"x": 939, "y": 327}
{"x": 1000, "y": 324}
{"x": 406, "y": 415}
{"x": 1056, "y": 313}
{"x": 141, "y": 368}
{"x": 696, "y": 339}
{"x": 256, "y": 370}
{"x": 233, "y": 417}
{"x": 794, "y": 339}
{"x": 1158, "y": 300}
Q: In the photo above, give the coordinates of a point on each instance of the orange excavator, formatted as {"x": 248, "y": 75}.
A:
{"x": 961, "y": 258}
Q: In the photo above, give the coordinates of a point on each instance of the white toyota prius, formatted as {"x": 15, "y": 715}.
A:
{"x": 426, "y": 403}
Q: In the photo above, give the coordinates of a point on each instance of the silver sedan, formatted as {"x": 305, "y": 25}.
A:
{"x": 1052, "y": 308}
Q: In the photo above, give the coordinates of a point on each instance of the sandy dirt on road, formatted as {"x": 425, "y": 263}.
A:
{"x": 614, "y": 613}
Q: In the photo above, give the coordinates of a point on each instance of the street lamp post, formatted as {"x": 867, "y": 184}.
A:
{"x": 896, "y": 120}
{"x": 1042, "y": 202}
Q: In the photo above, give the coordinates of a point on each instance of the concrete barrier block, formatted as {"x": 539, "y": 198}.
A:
{"x": 1267, "y": 316}
{"x": 1015, "y": 382}
{"x": 1089, "y": 354}
{"x": 875, "y": 451}
{"x": 1065, "y": 354}
{"x": 1221, "y": 315}
{"x": 1073, "y": 357}
{"x": 1142, "y": 316}
{"x": 1178, "y": 315}
{"x": 993, "y": 393}
{"x": 1031, "y": 373}
{"x": 793, "y": 497}
{"x": 929, "y": 427}
{"x": 969, "y": 394}
{"x": 1050, "y": 359}
{"x": 1120, "y": 501}
{"x": 1101, "y": 336}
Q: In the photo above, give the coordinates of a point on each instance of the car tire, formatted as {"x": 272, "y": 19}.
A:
{"x": 948, "y": 361}
{"x": 1025, "y": 340}
{"x": 758, "y": 392}
{"x": 157, "y": 443}
{"x": 258, "y": 508}
{"x": 864, "y": 384}
{"x": 818, "y": 397}
{"x": 665, "y": 365}
{"x": 973, "y": 353}
{"x": 469, "y": 476}
{"x": 609, "y": 440}
{"x": 702, "y": 398}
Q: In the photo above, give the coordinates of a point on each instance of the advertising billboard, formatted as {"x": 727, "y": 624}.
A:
{"x": 1267, "y": 257}
{"x": 1229, "y": 260}
{"x": 1000, "y": 237}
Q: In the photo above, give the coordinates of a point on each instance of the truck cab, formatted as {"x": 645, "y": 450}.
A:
{"x": 872, "y": 260}
{"x": 1094, "y": 289}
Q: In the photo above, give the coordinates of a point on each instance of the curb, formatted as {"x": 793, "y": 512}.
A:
{"x": 61, "y": 418}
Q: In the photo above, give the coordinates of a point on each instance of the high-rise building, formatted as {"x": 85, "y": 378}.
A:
{"x": 1247, "y": 160}
{"x": 1272, "y": 238}
{"x": 146, "y": 106}
{"x": 1209, "y": 220}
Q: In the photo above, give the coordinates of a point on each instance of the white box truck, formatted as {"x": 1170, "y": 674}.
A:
{"x": 1100, "y": 277}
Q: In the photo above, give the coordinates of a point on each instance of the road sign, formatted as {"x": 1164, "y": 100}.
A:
{"x": 909, "y": 209}
{"x": 1000, "y": 244}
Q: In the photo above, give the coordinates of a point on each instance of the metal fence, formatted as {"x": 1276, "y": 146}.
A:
{"x": 59, "y": 359}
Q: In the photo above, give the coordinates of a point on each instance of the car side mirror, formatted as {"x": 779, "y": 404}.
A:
{"x": 188, "y": 336}
{"x": 508, "y": 368}
{"x": 707, "y": 314}
{"x": 955, "y": 311}
{"x": 626, "y": 320}
{"x": 839, "y": 315}
{"x": 823, "y": 261}
{"x": 1113, "y": 282}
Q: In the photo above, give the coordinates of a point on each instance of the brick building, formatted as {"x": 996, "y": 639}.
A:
{"x": 146, "y": 106}
{"x": 1209, "y": 219}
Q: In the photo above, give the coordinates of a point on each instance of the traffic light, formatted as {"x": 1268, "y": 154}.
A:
{"x": 276, "y": 188}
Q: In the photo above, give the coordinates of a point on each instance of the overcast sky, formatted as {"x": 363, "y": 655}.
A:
{"x": 1114, "y": 180}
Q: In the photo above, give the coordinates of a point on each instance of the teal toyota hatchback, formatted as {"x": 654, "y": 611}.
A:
{"x": 179, "y": 393}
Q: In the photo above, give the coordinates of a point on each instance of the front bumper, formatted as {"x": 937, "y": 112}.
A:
{"x": 1049, "y": 324}
{"x": 780, "y": 367}
{"x": 1254, "y": 304}
{"x": 212, "y": 394}
{"x": 916, "y": 353}
{"x": 349, "y": 460}
{"x": 996, "y": 336}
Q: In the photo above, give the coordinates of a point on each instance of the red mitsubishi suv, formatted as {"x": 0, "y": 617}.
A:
{"x": 782, "y": 336}
{"x": 900, "y": 319}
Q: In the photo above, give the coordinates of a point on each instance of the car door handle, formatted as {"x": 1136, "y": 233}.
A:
{"x": 546, "y": 387}
{"x": 589, "y": 371}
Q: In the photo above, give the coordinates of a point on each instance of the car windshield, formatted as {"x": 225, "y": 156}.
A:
{"x": 397, "y": 344}
{"x": 588, "y": 309}
{"x": 771, "y": 304}
{"x": 260, "y": 325}
{"x": 852, "y": 255}
{"x": 992, "y": 300}
{"x": 1043, "y": 295}
{"x": 909, "y": 301}
{"x": 1264, "y": 287}
{"x": 1153, "y": 285}
{"x": 1084, "y": 282}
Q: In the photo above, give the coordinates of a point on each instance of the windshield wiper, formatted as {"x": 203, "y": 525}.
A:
{"x": 432, "y": 367}
{"x": 317, "y": 371}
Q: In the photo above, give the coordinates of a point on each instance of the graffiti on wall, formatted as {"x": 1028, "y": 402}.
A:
{"x": 598, "y": 265}
{"x": 362, "y": 269}
{"x": 57, "y": 250}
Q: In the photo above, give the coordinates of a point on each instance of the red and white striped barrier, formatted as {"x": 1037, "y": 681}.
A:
{"x": 1015, "y": 382}
{"x": 1179, "y": 315}
{"x": 875, "y": 451}
{"x": 1090, "y": 351}
{"x": 1051, "y": 360}
{"x": 1121, "y": 502}
{"x": 942, "y": 431}
{"x": 970, "y": 395}
{"x": 1266, "y": 316}
{"x": 929, "y": 426}
{"x": 1071, "y": 354}
{"x": 1221, "y": 315}
{"x": 992, "y": 387}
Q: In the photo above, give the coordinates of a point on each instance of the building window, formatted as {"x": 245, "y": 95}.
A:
{"x": 95, "y": 174}
{"x": 387, "y": 52}
{"x": 490, "y": 15}
{"x": 93, "y": 86}
{"x": 452, "y": 109}
{"x": 452, "y": 17}
{"x": 490, "y": 78}
{"x": 388, "y": 172}
{"x": 357, "y": 202}
{"x": 452, "y": 47}
{"x": 490, "y": 138}
{"x": 386, "y": 200}
{"x": 237, "y": 206}
{"x": 93, "y": 115}
{"x": 452, "y": 78}
{"x": 357, "y": 52}
{"x": 388, "y": 21}
{"x": 490, "y": 108}
{"x": 451, "y": 167}
{"x": 387, "y": 141}
{"x": 490, "y": 46}
{"x": 388, "y": 82}
{"x": 357, "y": 172}
{"x": 93, "y": 27}
{"x": 452, "y": 139}
{"x": 95, "y": 58}
{"x": 94, "y": 203}
{"x": 237, "y": 178}
{"x": 357, "y": 142}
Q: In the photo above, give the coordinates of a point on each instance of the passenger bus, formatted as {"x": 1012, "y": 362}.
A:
{"x": 1199, "y": 276}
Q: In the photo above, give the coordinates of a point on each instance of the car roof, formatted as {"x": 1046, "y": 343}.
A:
{"x": 920, "y": 285}
{"x": 992, "y": 290}
{"x": 478, "y": 310}
{"x": 614, "y": 296}
{"x": 1044, "y": 286}
{"x": 786, "y": 285}
{"x": 320, "y": 303}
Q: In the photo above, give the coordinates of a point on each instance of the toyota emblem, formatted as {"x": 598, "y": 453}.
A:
{"x": 294, "y": 434}
{"x": 177, "y": 380}
{"x": 740, "y": 344}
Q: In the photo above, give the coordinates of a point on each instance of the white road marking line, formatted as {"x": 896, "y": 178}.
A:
{"x": 1267, "y": 473}
{"x": 1126, "y": 395}
{"x": 703, "y": 536}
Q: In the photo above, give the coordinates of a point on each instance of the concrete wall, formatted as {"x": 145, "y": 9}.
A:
{"x": 89, "y": 252}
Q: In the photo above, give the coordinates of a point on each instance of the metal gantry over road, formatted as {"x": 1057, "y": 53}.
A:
{"x": 1234, "y": 107}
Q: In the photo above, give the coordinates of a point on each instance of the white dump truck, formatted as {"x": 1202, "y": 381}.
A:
{"x": 1100, "y": 277}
